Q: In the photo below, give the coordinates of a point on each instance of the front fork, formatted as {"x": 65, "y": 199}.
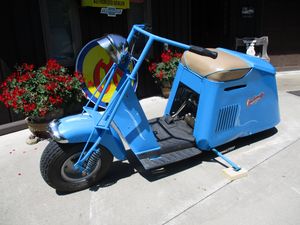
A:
{"x": 89, "y": 157}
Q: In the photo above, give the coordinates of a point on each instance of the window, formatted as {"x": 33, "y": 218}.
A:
{"x": 61, "y": 30}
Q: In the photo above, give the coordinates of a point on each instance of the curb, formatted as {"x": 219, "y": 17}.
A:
{"x": 12, "y": 127}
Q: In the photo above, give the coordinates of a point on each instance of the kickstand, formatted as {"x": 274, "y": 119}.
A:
{"x": 234, "y": 166}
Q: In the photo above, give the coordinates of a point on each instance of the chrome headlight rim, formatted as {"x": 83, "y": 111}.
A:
{"x": 115, "y": 45}
{"x": 54, "y": 132}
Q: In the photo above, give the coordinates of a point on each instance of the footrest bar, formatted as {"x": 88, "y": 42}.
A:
{"x": 234, "y": 166}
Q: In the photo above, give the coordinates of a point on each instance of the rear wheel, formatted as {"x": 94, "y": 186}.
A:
{"x": 57, "y": 167}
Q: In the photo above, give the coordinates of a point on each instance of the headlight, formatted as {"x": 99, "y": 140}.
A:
{"x": 115, "y": 45}
{"x": 54, "y": 132}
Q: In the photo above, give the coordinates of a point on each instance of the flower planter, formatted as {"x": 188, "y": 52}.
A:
{"x": 165, "y": 89}
{"x": 165, "y": 92}
{"x": 39, "y": 125}
{"x": 38, "y": 92}
{"x": 38, "y": 129}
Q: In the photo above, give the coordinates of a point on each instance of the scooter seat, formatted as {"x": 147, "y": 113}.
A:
{"x": 225, "y": 67}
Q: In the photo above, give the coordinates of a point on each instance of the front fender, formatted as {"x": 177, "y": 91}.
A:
{"x": 78, "y": 128}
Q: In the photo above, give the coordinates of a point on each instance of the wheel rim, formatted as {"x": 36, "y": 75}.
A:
{"x": 68, "y": 172}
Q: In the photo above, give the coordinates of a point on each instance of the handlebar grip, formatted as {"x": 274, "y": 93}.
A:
{"x": 203, "y": 51}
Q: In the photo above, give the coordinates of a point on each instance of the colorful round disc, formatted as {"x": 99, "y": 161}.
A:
{"x": 93, "y": 63}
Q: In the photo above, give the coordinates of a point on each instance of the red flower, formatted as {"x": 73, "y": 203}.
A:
{"x": 46, "y": 73}
{"x": 4, "y": 84}
{"x": 79, "y": 76}
{"x": 57, "y": 100}
{"x": 18, "y": 92}
{"x": 52, "y": 100}
{"x": 51, "y": 86}
{"x": 69, "y": 87}
{"x": 152, "y": 67}
{"x": 166, "y": 57}
{"x": 53, "y": 65}
{"x": 28, "y": 67}
{"x": 11, "y": 77}
{"x": 29, "y": 107}
{"x": 160, "y": 75}
{"x": 14, "y": 104}
{"x": 177, "y": 54}
{"x": 62, "y": 79}
{"x": 43, "y": 111}
{"x": 24, "y": 77}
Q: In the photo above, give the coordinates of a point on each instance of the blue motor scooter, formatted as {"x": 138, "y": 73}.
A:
{"x": 218, "y": 95}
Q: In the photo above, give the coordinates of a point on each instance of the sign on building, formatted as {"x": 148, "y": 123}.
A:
{"x": 118, "y": 4}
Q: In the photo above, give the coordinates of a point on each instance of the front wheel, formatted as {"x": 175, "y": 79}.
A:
{"x": 57, "y": 169}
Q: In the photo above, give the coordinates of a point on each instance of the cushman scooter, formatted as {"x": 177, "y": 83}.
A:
{"x": 218, "y": 95}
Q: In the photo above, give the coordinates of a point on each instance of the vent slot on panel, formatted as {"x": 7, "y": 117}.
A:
{"x": 235, "y": 87}
{"x": 227, "y": 117}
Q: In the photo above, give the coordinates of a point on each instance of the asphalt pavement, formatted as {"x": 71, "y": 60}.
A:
{"x": 194, "y": 191}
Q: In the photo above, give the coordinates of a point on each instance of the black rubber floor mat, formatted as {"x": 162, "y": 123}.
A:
{"x": 297, "y": 93}
{"x": 169, "y": 158}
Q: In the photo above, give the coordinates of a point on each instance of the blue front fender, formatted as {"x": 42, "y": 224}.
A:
{"x": 78, "y": 128}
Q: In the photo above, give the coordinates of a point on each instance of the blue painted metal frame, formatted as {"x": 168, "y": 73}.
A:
{"x": 119, "y": 104}
{"x": 215, "y": 103}
{"x": 234, "y": 166}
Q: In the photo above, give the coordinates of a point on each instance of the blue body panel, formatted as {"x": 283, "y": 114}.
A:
{"x": 78, "y": 128}
{"x": 226, "y": 110}
{"x": 225, "y": 113}
{"x": 132, "y": 123}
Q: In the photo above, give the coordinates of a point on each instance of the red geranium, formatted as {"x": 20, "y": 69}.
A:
{"x": 52, "y": 65}
{"x": 36, "y": 92}
{"x": 28, "y": 67}
{"x": 165, "y": 70}
{"x": 166, "y": 56}
{"x": 152, "y": 67}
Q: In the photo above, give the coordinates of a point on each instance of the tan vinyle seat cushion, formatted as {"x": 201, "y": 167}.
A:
{"x": 224, "y": 68}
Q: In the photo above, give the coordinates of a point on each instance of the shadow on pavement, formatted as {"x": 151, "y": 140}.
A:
{"x": 119, "y": 170}
{"x": 124, "y": 169}
{"x": 205, "y": 156}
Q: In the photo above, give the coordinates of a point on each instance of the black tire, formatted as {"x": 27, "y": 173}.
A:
{"x": 55, "y": 167}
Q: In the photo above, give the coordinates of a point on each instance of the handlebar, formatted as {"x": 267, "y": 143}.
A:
{"x": 203, "y": 51}
{"x": 198, "y": 50}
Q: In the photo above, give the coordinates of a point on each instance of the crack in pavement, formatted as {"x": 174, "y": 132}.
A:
{"x": 229, "y": 182}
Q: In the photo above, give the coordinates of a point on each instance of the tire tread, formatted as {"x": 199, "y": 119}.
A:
{"x": 55, "y": 153}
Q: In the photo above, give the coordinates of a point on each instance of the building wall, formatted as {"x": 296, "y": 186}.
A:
{"x": 280, "y": 21}
{"x": 21, "y": 41}
{"x": 27, "y": 34}
{"x": 217, "y": 23}
{"x": 21, "y": 37}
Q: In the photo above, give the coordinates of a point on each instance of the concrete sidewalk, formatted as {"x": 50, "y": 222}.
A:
{"x": 194, "y": 191}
